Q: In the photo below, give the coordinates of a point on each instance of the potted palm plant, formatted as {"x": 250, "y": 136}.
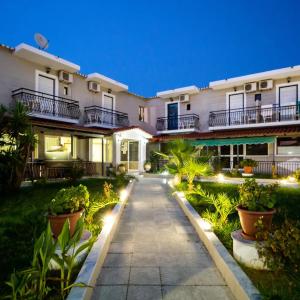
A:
{"x": 256, "y": 205}
{"x": 248, "y": 165}
{"x": 69, "y": 203}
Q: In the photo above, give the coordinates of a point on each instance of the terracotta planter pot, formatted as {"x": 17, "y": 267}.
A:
{"x": 57, "y": 222}
{"x": 147, "y": 167}
{"x": 248, "y": 170}
{"x": 248, "y": 220}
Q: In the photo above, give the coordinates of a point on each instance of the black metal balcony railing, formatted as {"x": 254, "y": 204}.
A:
{"x": 46, "y": 104}
{"x": 254, "y": 115}
{"x": 189, "y": 121}
{"x": 97, "y": 115}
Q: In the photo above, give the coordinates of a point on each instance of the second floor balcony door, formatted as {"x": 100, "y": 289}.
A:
{"x": 235, "y": 102}
{"x": 108, "y": 104}
{"x": 47, "y": 85}
{"x": 172, "y": 116}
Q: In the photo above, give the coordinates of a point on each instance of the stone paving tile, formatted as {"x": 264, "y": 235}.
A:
{"x": 196, "y": 293}
{"x": 113, "y": 276}
{"x": 190, "y": 276}
{"x": 117, "y": 260}
{"x": 121, "y": 247}
{"x": 157, "y": 254}
{"x": 144, "y": 293}
{"x": 111, "y": 292}
{"x": 144, "y": 276}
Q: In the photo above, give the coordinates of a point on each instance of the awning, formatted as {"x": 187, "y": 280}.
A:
{"x": 236, "y": 141}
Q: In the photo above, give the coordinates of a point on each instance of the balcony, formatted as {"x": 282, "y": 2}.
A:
{"x": 97, "y": 116}
{"x": 181, "y": 123}
{"x": 47, "y": 106}
{"x": 266, "y": 115}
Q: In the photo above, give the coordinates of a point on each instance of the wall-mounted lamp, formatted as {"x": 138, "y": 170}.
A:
{"x": 235, "y": 89}
{"x": 48, "y": 70}
{"x": 288, "y": 79}
{"x": 109, "y": 91}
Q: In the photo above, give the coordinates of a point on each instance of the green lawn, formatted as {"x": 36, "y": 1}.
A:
{"x": 272, "y": 286}
{"x": 22, "y": 219}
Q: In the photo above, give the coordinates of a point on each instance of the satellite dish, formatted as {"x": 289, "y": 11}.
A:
{"x": 41, "y": 41}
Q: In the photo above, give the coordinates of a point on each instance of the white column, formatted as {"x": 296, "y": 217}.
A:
{"x": 116, "y": 149}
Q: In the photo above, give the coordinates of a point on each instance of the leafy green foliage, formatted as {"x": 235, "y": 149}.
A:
{"x": 69, "y": 200}
{"x": 255, "y": 197}
{"x": 222, "y": 204}
{"x": 69, "y": 252}
{"x": 281, "y": 247}
{"x": 35, "y": 282}
{"x": 98, "y": 202}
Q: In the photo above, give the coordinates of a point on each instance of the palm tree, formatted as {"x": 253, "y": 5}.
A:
{"x": 17, "y": 141}
{"x": 184, "y": 160}
{"x": 195, "y": 167}
{"x": 178, "y": 152}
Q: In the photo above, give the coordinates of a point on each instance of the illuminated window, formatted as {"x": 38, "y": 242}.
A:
{"x": 58, "y": 147}
{"x": 288, "y": 146}
{"x": 96, "y": 150}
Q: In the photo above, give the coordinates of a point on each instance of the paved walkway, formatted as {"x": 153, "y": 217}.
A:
{"x": 156, "y": 254}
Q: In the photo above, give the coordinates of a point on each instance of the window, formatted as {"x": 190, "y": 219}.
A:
{"x": 225, "y": 150}
{"x": 288, "y": 95}
{"x": 238, "y": 149}
{"x": 288, "y": 146}
{"x": 96, "y": 150}
{"x": 188, "y": 106}
{"x": 142, "y": 114}
{"x": 66, "y": 91}
{"x": 58, "y": 147}
{"x": 257, "y": 149}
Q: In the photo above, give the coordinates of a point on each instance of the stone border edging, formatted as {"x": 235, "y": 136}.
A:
{"x": 93, "y": 263}
{"x": 238, "y": 282}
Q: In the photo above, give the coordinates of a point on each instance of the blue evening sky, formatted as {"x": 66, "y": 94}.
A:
{"x": 158, "y": 45}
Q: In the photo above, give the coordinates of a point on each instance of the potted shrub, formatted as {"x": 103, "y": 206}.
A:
{"x": 248, "y": 165}
{"x": 69, "y": 203}
{"x": 122, "y": 168}
{"x": 256, "y": 204}
{"x": 147, "y": 166}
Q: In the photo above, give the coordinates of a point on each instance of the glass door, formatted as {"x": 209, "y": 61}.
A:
{"x": 133, "y": 159}
{"x": 130, "y": 154}
{"x": 172, "y": 116}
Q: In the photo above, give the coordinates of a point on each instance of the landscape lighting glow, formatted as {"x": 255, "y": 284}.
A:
{"x": 165, "y": 173}
{"x": 220, "y": 177}
{"x": 108, "y": 220}
{"x": 123, "y": 195}
{"x": 284, "y": 181}
{"x": 291, "y": 179}
{"x": 164, "y": 181}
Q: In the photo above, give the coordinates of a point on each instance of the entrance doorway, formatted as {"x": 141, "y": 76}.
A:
{"x": 130, "y": 154}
